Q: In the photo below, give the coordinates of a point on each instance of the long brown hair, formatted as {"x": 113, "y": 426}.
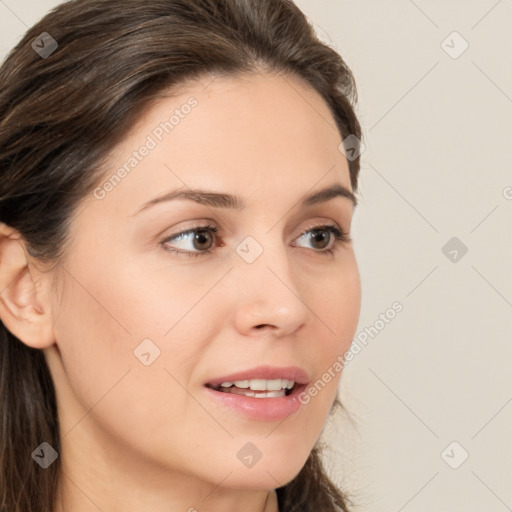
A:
{"x": 60, "y": 115}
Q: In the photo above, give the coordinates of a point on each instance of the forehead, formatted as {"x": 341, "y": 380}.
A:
{"x": 247, "y": 135}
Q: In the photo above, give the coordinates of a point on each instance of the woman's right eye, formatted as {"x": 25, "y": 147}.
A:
{"x": 195, "y": 241}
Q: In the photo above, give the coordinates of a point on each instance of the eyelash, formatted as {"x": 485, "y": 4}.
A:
{"x": 340, "y": 237}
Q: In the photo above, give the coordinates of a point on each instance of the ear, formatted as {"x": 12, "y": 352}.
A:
{"x": 24, "y": 298}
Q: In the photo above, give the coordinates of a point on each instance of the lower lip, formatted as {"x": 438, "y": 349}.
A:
{"x": 266, "y": 409}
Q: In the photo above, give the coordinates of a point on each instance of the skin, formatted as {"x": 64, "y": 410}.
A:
{"x": 138, "y": 437}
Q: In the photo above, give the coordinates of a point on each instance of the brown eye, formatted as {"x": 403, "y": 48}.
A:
{"x": 203, "y": 239}
{"x": 193, "y": 242}
{"x": 324, "y": 239}
{"x": 320, "y": 238}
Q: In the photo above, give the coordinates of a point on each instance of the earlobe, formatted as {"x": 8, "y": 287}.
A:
{"x": 22, "y": 304}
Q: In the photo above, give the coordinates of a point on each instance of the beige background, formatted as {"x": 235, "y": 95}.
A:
{"x": 438, "y": 133}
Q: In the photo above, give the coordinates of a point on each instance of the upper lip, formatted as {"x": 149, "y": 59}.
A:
{"x": 298, "y": 375}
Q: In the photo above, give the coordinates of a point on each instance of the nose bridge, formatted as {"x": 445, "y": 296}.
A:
{"x": 266, "y": 287}
{"x": 263, "y": 257}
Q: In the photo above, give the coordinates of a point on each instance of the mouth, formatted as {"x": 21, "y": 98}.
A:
{"x": 264, "y": 393}
{"x": 257, "y": 388}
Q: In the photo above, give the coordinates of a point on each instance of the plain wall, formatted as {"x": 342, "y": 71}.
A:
{"x": 433, "y": 383}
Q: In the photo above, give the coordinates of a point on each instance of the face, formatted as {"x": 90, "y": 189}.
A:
{"x": 237, "y": 278}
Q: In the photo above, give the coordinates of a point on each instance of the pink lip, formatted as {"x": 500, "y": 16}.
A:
{"x": 265, "y": 409}
{"x": 294, "y": 373}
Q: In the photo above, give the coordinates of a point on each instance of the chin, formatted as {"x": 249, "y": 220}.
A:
{"x": 266, "y": 464}
{"x": 264, "y": 477}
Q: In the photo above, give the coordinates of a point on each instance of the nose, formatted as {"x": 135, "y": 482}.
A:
{"x": 266, "y": 296}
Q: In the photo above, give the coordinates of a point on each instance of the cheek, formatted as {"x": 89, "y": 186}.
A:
{"x": 102, "y": 319}
{"x": 336, "y": 309}
{"x": 93, "y": 326}
{"x": 336, "y": 306}
{"x": 103, "y": 387}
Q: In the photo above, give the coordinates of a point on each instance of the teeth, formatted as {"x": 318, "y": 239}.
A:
{"x": 256, "y": 394}
{"x": 260, "y": 385}
{"x": 270, "y": 394}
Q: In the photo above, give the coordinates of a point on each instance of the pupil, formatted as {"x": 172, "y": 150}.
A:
{"x": 202, "y": 237}
{"x": 320, "y": 236}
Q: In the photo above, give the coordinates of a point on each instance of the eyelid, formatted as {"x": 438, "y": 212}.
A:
{"x": 322, "y": 224}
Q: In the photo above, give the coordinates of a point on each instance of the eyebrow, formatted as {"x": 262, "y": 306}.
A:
{"x": 223, "y": 200}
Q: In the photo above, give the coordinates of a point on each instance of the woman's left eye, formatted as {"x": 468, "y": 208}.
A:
{"x": 329, "y": 236}
{"x": 199, "y": 240}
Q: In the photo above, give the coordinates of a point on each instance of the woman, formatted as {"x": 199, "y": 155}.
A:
{"x": 178, "y": 281}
